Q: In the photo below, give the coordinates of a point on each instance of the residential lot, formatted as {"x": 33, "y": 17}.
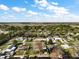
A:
{"x": 52, "y": 40}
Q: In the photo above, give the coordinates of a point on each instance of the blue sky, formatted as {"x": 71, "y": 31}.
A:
{"x": 39, "y": 10}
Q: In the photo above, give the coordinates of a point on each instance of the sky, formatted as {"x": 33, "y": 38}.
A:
{"x": 39, "y": 10}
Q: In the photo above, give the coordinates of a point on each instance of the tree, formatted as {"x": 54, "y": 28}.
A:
{"x": 50, "y": 41}
{"x": 15, "y": 42}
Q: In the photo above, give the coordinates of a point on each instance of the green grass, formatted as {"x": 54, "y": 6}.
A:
{"x": 19, "y": 52}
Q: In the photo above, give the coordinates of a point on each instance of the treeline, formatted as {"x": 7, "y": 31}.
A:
{"x": 36, "y": 31}
{"x": 6, "y": 37}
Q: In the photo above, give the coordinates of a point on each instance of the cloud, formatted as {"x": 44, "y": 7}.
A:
{"x": 31, "y": 13}
{"x": 4, "y": 7}
{"x": 17, "y": 9}
{"x": 42, "y": 3}
{"x": 50, "y": 12}
{"x": 58, "y": 10}
{"x": 7, "y": 17}
{"x": 45, "y": 15}
{"x": 55, "y": 3}
{"x": 57, "y": 13}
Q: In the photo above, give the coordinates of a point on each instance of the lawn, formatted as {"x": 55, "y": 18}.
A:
{"x": 19, "y": 52}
